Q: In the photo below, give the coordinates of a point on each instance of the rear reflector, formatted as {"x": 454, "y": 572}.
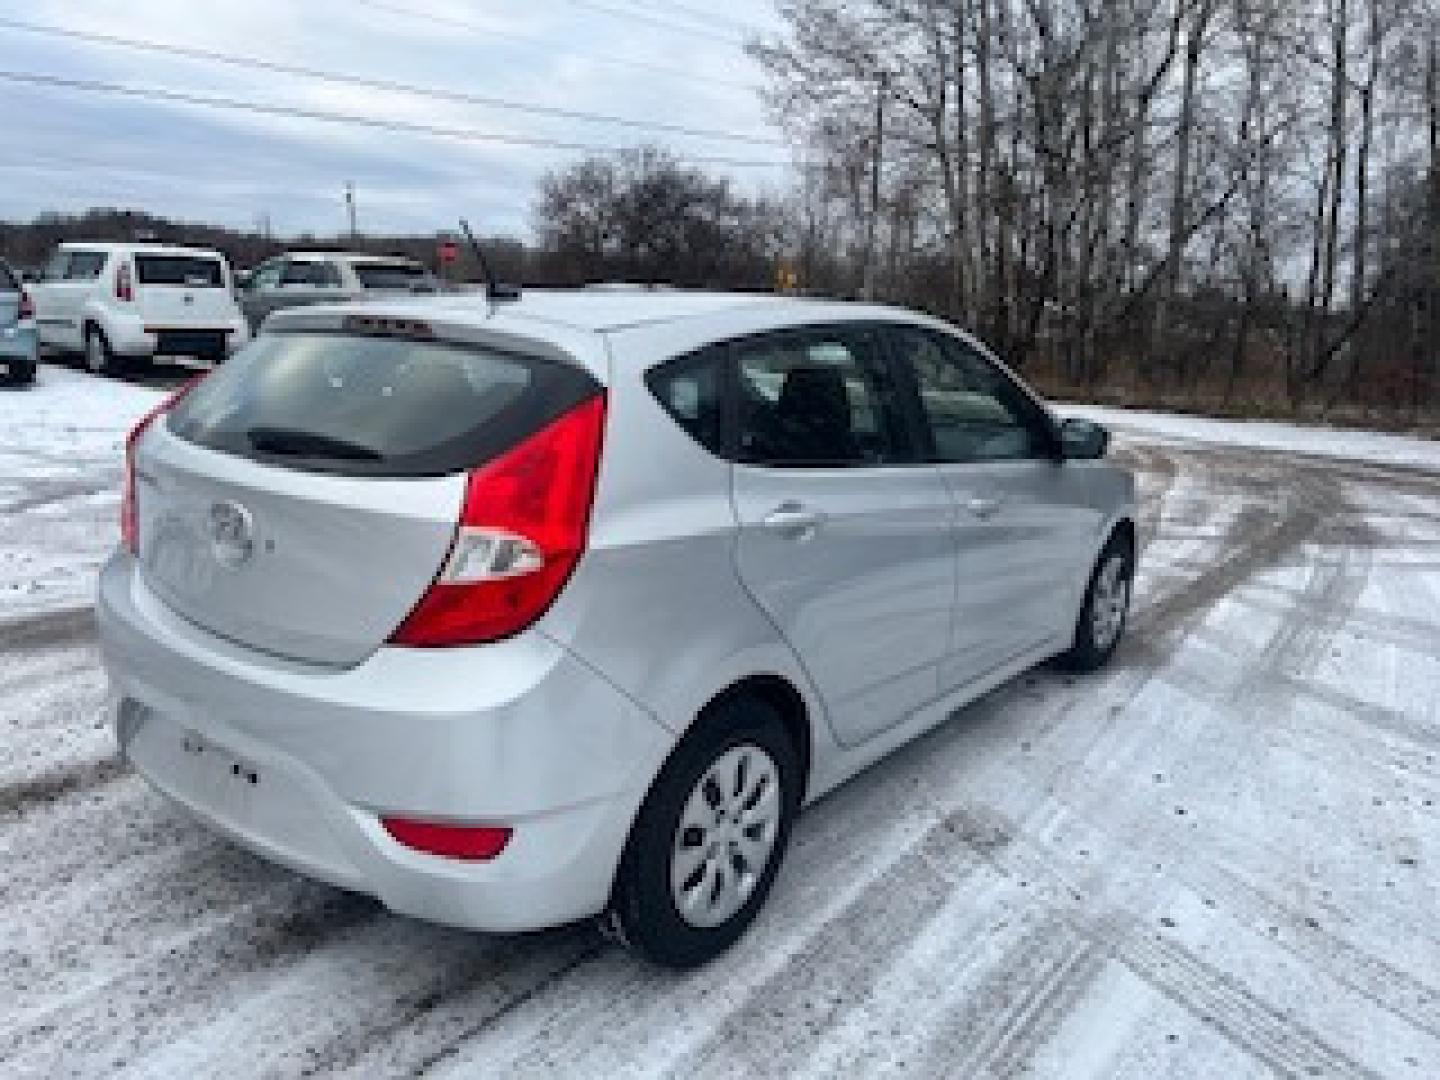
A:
{"x": 27, "y": 307}
{"x": 522, "y": 529}
{"x": 470, "y": 843}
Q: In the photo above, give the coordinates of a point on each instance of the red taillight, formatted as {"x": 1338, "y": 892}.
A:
{"x": 472, "y": 843}
{"x": 129, "y": 512}
{"x": 124, "y": 283}
{"x": 522, "y": 529}
{"x": 27, "y": 307}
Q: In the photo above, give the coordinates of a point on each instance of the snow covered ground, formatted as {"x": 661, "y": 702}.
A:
{"x": 1218, "y": 858}
{"x": 1314, "y": 441}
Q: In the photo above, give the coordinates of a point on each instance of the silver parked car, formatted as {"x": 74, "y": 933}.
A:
{"x": 19, "y": 345}
{"x": 321, "y": 277}
{"x": 513, "y": 614}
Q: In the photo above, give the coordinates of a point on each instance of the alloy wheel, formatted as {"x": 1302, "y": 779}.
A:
{"x": 1109, "y": 603}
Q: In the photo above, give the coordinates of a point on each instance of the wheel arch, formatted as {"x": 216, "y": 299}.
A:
{"x": 787, "y": 701}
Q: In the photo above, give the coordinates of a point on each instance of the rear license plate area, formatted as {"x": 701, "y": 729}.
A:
{"x": 218, "y": 765}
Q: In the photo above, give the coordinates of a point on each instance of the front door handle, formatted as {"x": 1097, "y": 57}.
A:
{"x": 793, "y": 519}
{"x": 983, "y": 506}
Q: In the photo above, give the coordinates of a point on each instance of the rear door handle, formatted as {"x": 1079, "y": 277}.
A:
{"x": 794, "y": 519}
{"x": 982, "y": 506}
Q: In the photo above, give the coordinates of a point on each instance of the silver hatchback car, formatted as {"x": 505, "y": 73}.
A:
{"x": 513, "y": 614}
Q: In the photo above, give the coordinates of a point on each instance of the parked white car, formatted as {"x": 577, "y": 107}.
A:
{"x": 121, "y": 303}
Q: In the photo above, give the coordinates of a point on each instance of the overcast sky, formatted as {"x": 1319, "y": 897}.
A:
{"x": 65, "y": 149}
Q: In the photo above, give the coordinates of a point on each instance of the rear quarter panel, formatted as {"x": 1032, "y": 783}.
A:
{"x": 656, "y": 605}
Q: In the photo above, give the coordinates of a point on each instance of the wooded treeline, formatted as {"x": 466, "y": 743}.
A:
{"x": 1226, "y": 205}
{"x": 1231, "y": 204}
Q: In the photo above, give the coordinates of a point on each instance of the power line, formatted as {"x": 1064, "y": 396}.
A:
{"x": 655, "y": 20}
{"x": 230, "y": 104}
{"x": 387, "y": 85}
{"x": 470, "y": 25}
{"x": 697, "y": 15}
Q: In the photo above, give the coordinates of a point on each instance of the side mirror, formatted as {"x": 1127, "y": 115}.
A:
{"x": 1083, "y": 440}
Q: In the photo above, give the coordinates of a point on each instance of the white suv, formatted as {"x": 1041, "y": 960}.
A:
{"x": 119, "y": 303}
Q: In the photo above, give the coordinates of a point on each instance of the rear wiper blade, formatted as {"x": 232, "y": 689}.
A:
{"x": 291, "y": 442}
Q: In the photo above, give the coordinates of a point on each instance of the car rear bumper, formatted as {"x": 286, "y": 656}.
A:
{"x": 299, "y": 763}
{"x": 132, "y": 337}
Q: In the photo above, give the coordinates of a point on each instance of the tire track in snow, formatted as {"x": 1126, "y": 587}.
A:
{"x": 1293, "y": 647}
{"x": 70, "y": 843}
{"x": 1215, "y": 997}
{"x": 48, "y": 492}
{"x": 412, "y": 994}
{"x": 134, "y": 1008}
{"x": 1017, "y": 1007}
{"x": 48, "y": 630}
{"x": 1297, "y": 932}
{"x": 57, "y": 783}
{"x": 159, "y": 896}
{"x": 452, "y": 1046}
{"x": 1162, "y": 840}
{"x": 1256, "y": 541}
{"x": 844, "y": 848}
{"x": 840, "y": 961}
{"x": 1222, "y": 1000}
{"x": 1416, "y": 635}
{"x": 1254, "y": 538}
{"x": 1317, "y": 616}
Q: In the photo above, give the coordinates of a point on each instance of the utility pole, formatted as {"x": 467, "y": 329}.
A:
{"x": 1427, "y": 369}
{"x": 877, "y": 149}
{"x": 350, "y": 209}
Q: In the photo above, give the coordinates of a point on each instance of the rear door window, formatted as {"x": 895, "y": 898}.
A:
{"x": 55, "y": 267}
{"x": 84, "y": 265}
{"x": 816, "y": 398}
{"x": 189, "y": 272}
{"x": 379, "y": 406}
{"x": 312, "y": 274}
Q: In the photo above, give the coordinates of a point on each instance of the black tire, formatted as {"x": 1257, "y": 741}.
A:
{"x": 1092, "y": 648}
{"x": 99, "y": 358}
{"x": 643, "y": 912}
{"x": 20, "y": 373}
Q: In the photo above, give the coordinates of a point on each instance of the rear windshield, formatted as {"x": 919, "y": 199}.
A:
{"x": 189, "y": 271}
{"x": 374, "y": 406}
{"x": 391, "y": 275}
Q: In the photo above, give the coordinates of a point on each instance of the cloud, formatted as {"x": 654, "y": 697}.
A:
{"x": 68, "y": 149}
